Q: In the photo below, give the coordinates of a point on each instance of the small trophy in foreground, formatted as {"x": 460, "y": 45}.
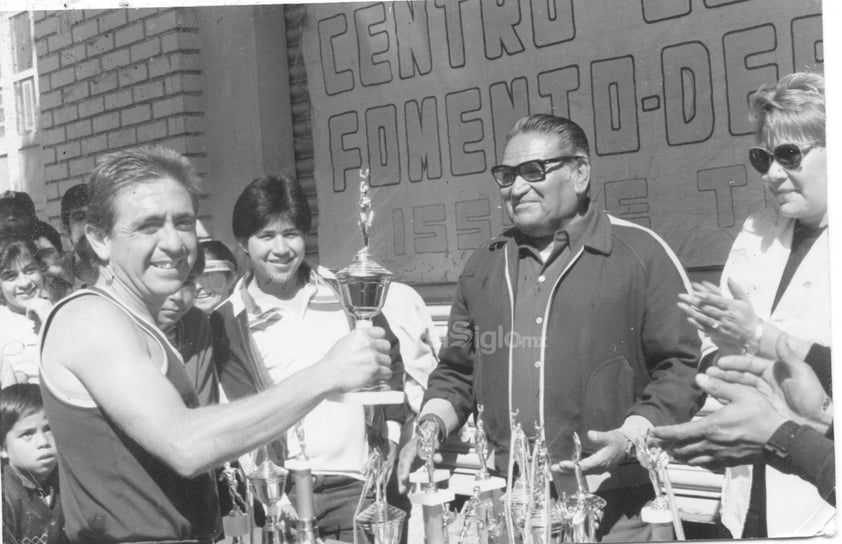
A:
{"x": 381, "y": 523}
{"x": 267, "y": 481}
{"x": 307, "y": 530}
{"x": 661, "y": 512}
{"x": 237, "y": 523}
{"x": 583, "y": 511}
{"x": 363, "y": 285}
{"x": 484, "y": 479}
{"x": 426, "y": 491}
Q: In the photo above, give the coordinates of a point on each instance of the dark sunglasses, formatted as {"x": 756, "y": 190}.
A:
{"x": 531, "y": 171}
{"x": 788, "y": 155}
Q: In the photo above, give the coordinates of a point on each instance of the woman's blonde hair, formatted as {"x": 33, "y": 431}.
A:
{"x": 791, "y": 109}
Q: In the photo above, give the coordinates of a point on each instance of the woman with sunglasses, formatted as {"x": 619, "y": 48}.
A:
{"x": 775, "y": 281}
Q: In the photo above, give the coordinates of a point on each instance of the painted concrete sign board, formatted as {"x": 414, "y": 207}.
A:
{"x": 422, "y": 93}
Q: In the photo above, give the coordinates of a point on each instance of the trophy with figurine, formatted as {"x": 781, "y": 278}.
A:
{"x": 518, "y": 496}
{"x": 544, "y": 521}
{"x": 583, "y": 511}
{"x": 363, "y": 286}
{"x": 426, "y": 490}
{"x": 484, "y": 480}
{"x": 237, "y": 523}
{"x": 662, "y": 511}
{"x": 479, "y": 524}
{"x": 307, "y": 530}
{"x": 380, "y": 522}
{"x": 479, "y": 521}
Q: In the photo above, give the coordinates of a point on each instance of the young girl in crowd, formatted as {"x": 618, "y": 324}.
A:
{"x": 23, "y": 307}
{"x": 31, "y": 507}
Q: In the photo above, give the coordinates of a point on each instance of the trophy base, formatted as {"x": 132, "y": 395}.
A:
{"x": 381, "y": 523}
{"x": 464, "y": 484}
{"x": 296, "y": 464}
{"x": 432, "y": 498}
{"x": 420, "y": 476}
{"x": 236, "y": 524}
{"x": 654, "y": 512}
{"x": 368, "y": 398}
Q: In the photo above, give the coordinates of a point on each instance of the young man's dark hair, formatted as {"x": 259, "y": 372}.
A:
{"x": 266, "y": 198}
{"x": 75, "y": 197}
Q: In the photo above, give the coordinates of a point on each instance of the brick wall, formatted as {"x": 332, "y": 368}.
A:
{"x": 111, "y": 79}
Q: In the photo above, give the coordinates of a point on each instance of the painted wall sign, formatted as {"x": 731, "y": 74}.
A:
{"x": 422, "y": 93}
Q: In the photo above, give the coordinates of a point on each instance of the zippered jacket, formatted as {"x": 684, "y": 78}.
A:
{"x": 615, "y": 343}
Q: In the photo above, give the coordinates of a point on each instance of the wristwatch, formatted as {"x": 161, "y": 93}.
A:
{"x": 432, "y": 419}
{"x": 778, "y": 444}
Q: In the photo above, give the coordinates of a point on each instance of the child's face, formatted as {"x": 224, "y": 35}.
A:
{"x": 21, "y": 283}
{"x": 30, "y": 447}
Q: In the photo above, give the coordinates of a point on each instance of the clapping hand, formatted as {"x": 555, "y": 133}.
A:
{"x": 732, "y": 435}
{"x": 758, "y": 396}
{"x": 789, "y": 383}
{"x": 728, "y": 322}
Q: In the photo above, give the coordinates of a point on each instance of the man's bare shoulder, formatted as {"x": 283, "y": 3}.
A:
{"x": 90, "y": 321}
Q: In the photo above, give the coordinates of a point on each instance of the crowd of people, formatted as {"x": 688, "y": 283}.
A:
{"x": 139, "y": 360}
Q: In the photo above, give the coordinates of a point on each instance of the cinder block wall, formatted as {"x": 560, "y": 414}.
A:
{"x": 111, "y": 79}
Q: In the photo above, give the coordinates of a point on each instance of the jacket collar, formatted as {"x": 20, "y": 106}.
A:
{"x": 596, "y": 233}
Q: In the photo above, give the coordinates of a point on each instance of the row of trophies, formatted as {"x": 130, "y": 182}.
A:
{"x": 530, "y": 514}
{"x": 527, "y": 512}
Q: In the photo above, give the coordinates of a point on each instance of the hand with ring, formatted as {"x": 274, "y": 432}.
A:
{"x": 728, "y": 322}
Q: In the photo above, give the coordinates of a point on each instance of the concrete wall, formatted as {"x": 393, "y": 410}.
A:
{"x": 246, "y": 103}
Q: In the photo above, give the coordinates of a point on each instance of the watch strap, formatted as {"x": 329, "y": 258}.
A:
{"x": 778, "y": 445}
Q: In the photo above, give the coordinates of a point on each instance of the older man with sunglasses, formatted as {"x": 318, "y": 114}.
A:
{"x": 568, "y": 319}
{"x": 776, "y": 279}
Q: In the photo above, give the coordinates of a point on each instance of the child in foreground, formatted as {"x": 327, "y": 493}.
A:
{"x": 31, "y": 505}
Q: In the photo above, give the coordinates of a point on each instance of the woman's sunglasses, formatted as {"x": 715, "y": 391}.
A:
{"x": 787, "y": 155}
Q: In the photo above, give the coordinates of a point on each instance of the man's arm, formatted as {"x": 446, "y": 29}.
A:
{"x": 449, "y": 396}
{"x": 115, "y": 365}
{"x": 671, "y": 346}
{"x": 671, "y": 350}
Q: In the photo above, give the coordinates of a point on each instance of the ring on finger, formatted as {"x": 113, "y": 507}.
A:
{"x": 715, "y": 326}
